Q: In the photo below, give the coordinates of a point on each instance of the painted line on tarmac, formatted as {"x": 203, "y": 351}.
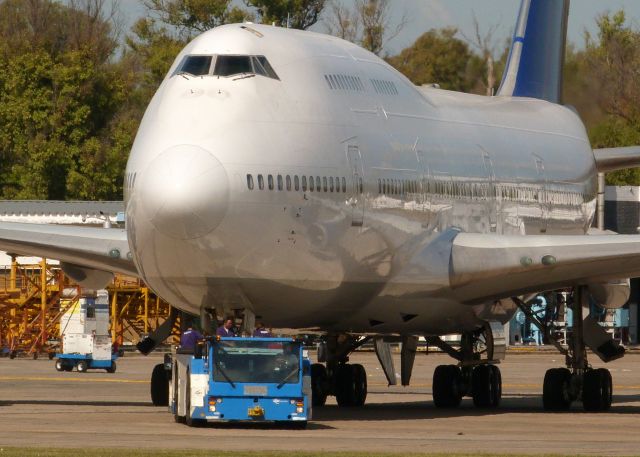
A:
{"x": 507, "y": 386}
{"x": 46, "y": 378}
{"x": 421, "y": 385}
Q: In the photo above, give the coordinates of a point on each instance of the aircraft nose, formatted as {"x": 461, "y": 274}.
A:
{"x": 185, "y": 192}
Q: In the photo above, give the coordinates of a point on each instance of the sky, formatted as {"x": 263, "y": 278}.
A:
{"x": 427, "y": 14}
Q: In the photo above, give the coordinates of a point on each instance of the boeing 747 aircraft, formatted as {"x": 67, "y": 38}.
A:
{"x": 300, "y": 178}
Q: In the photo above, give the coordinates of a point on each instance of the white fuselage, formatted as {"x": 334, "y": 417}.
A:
{"x": 417, "y": 163}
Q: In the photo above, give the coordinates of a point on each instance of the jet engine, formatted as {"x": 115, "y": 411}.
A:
{"x": 612, "y": 294}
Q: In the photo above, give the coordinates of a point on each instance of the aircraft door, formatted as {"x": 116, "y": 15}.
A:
{"x": 356, "y": 189}
{"x": 541, "y": 197}
{"x": 425, "y": 199}
{"x": 493, "y": 201}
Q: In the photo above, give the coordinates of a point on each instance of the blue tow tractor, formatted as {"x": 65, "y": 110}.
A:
{"x": 236, "y": 379}
{"x": 84, "y": 362}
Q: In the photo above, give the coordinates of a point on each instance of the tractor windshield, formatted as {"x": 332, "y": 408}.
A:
{"x": 256, "y": 361}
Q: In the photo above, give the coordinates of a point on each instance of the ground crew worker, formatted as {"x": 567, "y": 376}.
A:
{"x": 261, "y": 331}
{"x": 226, "y": 329}
{"x": 189, "y": 338}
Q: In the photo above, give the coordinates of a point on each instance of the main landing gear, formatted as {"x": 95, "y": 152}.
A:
{"x": 348, "y": 382}
{"x": 476, "y": 375}
{"x": 578, "y": 381}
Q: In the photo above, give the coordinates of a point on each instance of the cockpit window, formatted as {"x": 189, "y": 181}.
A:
{"x": 264, "y": 63}
{"x": 229, "y": 65}
{"x": 232, "y": 65}
{"x": 235, "y": 65}
{"x": 196, "y": 65}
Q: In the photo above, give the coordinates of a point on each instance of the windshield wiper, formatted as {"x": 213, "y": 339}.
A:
{"x": 245, "y": 76}
{"x": 287, "y": 377}
{"x": 224, "y": 373}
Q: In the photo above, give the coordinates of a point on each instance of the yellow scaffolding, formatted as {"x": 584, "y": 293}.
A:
{"x": 31, "y": 306}
{"x": 135, "y": 310}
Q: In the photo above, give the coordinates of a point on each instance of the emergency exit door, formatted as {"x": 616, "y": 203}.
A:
{"x": 356, "y": 189}
{"x": 541, "y": 197}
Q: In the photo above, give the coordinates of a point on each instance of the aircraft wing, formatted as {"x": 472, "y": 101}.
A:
{"x": 612, "y": 159}
{"x": 485, "y": 266}
{"x": 95, "y": 248}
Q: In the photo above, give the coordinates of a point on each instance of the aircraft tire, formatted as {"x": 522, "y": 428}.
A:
{"x": 159, "y": 386}
{"x": 319, "y": 382}
{"x": 360, "y": 384}
{"x": 555, "y": 390}
{"x": 486, "y": 386}
{"x": 597, "y": 390}
{"x": 351, "y": 385}
{"x": 344, "y": 385}
{"x": 446, "y": 386}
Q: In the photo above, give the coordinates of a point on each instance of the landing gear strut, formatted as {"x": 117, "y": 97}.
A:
{"x": 578, "y": 381}
{"x": 474, "y": 376}
{"x": 348, "y": 382}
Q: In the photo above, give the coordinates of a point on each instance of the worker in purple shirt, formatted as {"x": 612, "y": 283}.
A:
{"x": 261, "y": 331}
{"x": 226, "y": 329}
{"x": 190, "y": 338}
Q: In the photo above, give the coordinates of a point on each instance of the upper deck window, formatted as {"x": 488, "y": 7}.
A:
{"x": 196, "y": 65}
{"x": 237, "y": 65}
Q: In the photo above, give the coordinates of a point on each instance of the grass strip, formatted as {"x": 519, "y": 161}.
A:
{"x": 91, "y": 452}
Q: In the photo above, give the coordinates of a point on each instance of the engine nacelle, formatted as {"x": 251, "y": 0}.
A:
{"x": 612, "y": 294}
{"x": 88, "y": 278}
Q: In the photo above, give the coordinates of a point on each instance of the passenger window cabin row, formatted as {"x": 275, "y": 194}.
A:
{"x": 297, "y": 183}
{"x": 480, "y": 191}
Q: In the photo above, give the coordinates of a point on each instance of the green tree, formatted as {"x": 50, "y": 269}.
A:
{"x": 296, "y": 14}
{"x": 192, "y": 17}
{"x": 610, "y": 66}
{"x": 436, "y": 57}
{"x": 613, "y": 62}
{"x": 59, "y": 96}
{"x": 579, "y": 85}
{"x": 151, "y": 50}
{"x": 367, "y": 24}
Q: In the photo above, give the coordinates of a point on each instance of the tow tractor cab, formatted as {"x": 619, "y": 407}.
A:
{"x": 242, "y": 379}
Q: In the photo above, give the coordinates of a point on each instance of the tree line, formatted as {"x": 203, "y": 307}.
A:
{"x": 74, "y": 84}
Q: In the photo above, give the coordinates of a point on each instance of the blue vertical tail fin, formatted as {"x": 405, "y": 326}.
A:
{"x": 536, "y": 59}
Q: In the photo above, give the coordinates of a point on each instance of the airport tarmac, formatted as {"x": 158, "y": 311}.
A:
{"x": 44, "y": 408}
